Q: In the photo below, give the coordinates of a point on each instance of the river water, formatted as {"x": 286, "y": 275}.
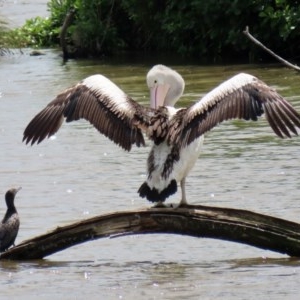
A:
{"x": 78, "y": 174}
{"x": 15, "y": 12}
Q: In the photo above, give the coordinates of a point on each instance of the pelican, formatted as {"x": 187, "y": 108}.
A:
{"x": 176, "y": 134}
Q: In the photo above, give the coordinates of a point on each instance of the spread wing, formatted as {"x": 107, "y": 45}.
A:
{"x": 241, "y": 97}
{"x": 97, "y": 100}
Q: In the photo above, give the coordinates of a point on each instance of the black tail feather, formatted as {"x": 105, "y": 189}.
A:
{"x": 153, "y": 195}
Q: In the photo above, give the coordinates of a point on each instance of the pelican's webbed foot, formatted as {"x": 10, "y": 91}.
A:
{"x": 182, "y": 204}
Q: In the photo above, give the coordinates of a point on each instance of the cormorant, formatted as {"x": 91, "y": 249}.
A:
{"x": 9, "y": 226}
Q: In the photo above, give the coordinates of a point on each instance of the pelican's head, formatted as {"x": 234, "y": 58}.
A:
{"x": 166, "y": 86}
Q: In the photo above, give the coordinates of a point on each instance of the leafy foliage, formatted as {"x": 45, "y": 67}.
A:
{"x": 210, "y": 30}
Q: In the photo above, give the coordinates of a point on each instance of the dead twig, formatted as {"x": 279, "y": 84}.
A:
{"x": 258, "y": 43}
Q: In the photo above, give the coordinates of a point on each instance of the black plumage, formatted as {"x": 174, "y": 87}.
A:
{"x": 10, "y": 224}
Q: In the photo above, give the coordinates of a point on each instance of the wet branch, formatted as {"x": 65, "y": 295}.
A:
{"x": 258, "y": 43}
{"x": 234, "y": 225}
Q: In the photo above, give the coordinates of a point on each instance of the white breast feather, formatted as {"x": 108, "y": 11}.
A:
{"x": 188, "y": 158}
{"x": 172, "y": 111}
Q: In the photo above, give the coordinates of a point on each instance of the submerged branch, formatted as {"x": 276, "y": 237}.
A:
{"x": 234, "y": 225}
{"x": 258, "y": 43}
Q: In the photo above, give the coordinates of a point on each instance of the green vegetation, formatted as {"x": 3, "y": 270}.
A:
{"x": 206, "y": 30}
{"x": 3, "y": 39}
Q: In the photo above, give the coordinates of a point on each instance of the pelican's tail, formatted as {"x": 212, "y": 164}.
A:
{"x": 154, "y": 195}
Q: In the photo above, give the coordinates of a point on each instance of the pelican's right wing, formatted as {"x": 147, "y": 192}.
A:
{"x": 97, "y": 100}
{"x": 241, "y": 97}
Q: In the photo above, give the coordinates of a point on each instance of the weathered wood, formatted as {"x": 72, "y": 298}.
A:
{"x": 234, "y": 225}
{"x": 63, "y": 32}
{"x": 258, "y": 43}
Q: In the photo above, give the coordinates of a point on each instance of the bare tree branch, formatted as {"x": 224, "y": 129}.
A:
{"x": 253, "y": 39}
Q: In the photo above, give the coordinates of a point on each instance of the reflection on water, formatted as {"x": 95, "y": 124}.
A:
{"x": 79, "y": 174}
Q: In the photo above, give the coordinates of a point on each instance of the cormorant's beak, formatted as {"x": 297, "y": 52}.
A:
{"x": 18, "y": 189}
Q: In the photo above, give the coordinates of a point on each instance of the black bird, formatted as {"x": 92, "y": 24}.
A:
{"x": 9, "y": 226}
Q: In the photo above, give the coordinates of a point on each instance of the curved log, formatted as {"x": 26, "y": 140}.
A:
{"x": 234, "y": 225}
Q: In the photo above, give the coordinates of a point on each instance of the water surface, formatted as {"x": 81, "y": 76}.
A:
{"x": 79, "y": 173}
{"x": 15, "y": 12}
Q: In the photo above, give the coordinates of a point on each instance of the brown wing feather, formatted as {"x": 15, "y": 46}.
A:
{"x": 110, "y": 116}
{"x": 241, "y": 97}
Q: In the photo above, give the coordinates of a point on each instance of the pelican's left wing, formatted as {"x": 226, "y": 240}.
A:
{"x": 97, "y": 100}
{"x": 241, "y": 97}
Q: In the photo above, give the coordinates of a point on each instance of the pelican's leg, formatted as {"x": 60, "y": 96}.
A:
{"x": 183, "y": 201}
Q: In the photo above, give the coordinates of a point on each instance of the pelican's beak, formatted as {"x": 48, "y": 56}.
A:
{"x": 158, "y": 95}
